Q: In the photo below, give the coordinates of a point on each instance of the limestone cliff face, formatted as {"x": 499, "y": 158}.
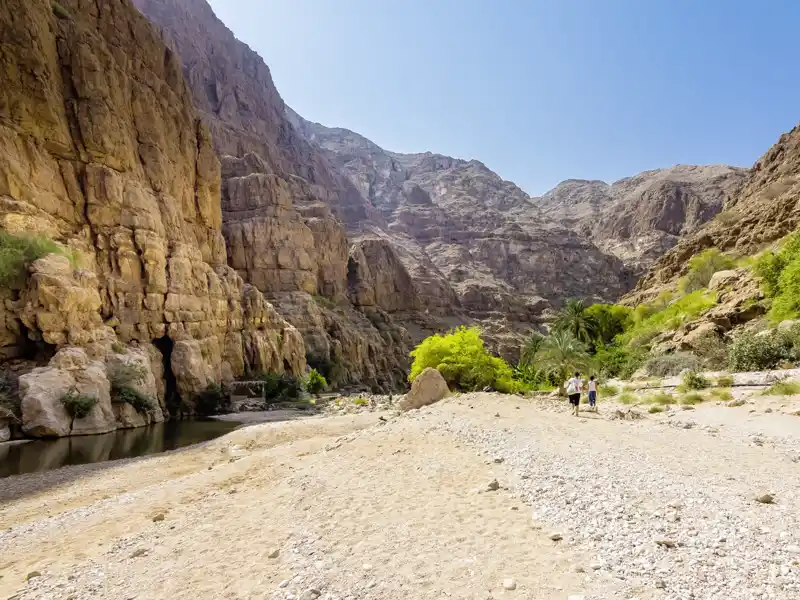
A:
{"x": 764, "y": 210}
{"x": 287, "y": 211}
{"x": 477, "y": 241}
{"x": 101, "y": 150}
{"x": 640, "y": 218}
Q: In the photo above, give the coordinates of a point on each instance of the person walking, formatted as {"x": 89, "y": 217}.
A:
{"x": 592, "y": 394}
{"x": 574, "y": 386}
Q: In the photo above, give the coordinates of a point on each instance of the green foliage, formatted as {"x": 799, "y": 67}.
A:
{"x": 141, "y": 402}
{"x": 280, "y": 386}
{"x": 610, "y": 320}
{"x": 655, "y": 409}
{"x": 212, "y": 400}
{"x": 118, "y": 348}
{"x": 360, "y": 401}
{"x": 750, "y": 351}
{"x": 607, "y": 390}
{"x": 531, "y": 347}
{"x": 78, "y": 405}
{"x": 783, "y": 388}
{"x": 562, "y": 354}
{"x": 722, "y": 394}
{"x": 655, "y": 320}
{"x": 532, "y": 378}
{"x": 627, "y": 398}
{"x": 618, "y": 361}
{"x": 671, "y": 364}
{"x": 691, "y": 399}
{"x": 702, "y": 267}
{"x": 123, "y": 378}
{"x": 712, "y": 352}
{"x": 463, "y": 361}
{"x": 694, "y": 381}
{"x": 574, "y": 318}
{"x": 17, "y": 252}
{"x": 780, "y": 277}
{"x": 661, "y": 398}
{"x": 315, "y": 382}
{"x": 331, "y": 370}
{"x": 324, "y": 302}
{"x": 59, "y": 11}
{"x": 724, "y": 381}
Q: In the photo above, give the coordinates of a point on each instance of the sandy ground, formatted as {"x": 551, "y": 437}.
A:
{"x": 355, "y": 507}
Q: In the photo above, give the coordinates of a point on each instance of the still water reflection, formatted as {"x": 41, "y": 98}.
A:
{"x": 43, "y": 455}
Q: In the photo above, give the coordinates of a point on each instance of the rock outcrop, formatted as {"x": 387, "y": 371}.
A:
{"x": 101, "y": 150}
{"x": 427, "y": 388}
{"x": 763, "y": 211}
{"x": 640, "y": 218}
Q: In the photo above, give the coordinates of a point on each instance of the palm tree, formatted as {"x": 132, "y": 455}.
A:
{"x": 561, "y": 353}
{"x": 574, "y": 318}
{"x": 529, "y": 349}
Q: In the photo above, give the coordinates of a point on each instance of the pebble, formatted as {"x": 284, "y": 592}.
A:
{"x": 159, "y": 517}
{"x": 274, "y": 553}
{"x": 556, "y": 537}
{"x": 33, "y": 575}
{"x": 509, "y": 584}
{"x": 310, "y": 594}
{"x": 493, "y": 485}
{"x": 765, "y": 498}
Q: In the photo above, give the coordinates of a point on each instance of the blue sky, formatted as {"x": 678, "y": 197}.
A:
{"x": 539, "y": 91}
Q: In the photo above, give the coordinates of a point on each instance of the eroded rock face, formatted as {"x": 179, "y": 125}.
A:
{"x": 104, "y": 154}
{"x": 640, "y": 218}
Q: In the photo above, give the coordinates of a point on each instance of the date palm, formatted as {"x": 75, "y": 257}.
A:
{"x": 562, "y": 353}
{"x": 574, "y": 318}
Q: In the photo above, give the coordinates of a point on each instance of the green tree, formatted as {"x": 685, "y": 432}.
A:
{"x": 562, "y": 353}
{"x": 702, "y": 267}
{"x": 610, "y": 320}
{"x": 574, "y": 318}
{"x": 529, "y": 349}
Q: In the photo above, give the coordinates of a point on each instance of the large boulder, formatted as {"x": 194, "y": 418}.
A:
{"x": 428, "y": 387}
{"x": 41, "y": 390}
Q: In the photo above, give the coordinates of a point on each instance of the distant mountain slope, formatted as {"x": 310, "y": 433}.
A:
{"x": 641, "y": 217}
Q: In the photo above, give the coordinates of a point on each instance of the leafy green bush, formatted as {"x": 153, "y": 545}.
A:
{"x": 655, "y": 409}
{"x": 695, "y": 381}
{"x": 212, "y": 401}
{"x": 17, "y": 252}
{"x": 78, "y": 405}
{"x": 123, "y": 378}
{"x": 661, "y": 398}
{"x": 668, "y": 318}
{"x": 280, "y": 386}
{"x": 532, "y": 378}
{"x": 671, "y": 364}
{"x": 702, "y": 267}
{"x": 609, "y": 321}
{"x": 722, "y": 394}
{"x": 360, "y": 401}
{"x": 783, "y": 388}
{"x": 712, "y": 351}
{"x": 574, "y": 319}
{"x": 749, "y": 351}
{"x": 315, "y": 382}
{"x": 627, "y": 398}
{"x": 141, "y": 402}
{"x": 724, "y": 381}
{"x": 618, "y": 361}
{"x": 530, "y": 348}
{"x": 330, "y": 369}
{"x": 463, "y": 361}
{"x": 780, "y": 277}
{"x": 691, "y": 399}
{"x": 606, "y": 390}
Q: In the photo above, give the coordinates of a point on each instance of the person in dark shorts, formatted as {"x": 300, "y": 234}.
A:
{"x": 574, "y": 392}
{"x": 592, "y": 393}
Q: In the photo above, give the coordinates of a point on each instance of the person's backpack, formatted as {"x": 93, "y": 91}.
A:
{"x": 572, "y": 387}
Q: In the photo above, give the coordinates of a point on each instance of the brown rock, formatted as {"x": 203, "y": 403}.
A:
{"x": 428, "y": 387}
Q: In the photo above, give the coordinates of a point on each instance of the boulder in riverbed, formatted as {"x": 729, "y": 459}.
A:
{"x": 427, "y": 388}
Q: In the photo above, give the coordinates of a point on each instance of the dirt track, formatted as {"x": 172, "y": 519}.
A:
{"x": 356, "y": 508}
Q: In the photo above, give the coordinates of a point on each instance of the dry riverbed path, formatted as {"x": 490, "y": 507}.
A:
{"x": 480, "y": 496}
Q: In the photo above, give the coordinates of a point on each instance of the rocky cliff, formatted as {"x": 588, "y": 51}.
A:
{"x": 101, "y": 150}
{"x": 764, "y": 209}
{"x": 640, "y": 218}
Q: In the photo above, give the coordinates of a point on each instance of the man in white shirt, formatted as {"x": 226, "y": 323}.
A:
{"x": 574, "y": 386}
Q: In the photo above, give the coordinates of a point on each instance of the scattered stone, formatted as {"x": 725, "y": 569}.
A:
{"x": 665, "y": 543}
{"x": 556, "y": 537}
{"x": 735, "y": 403}
{"x": 576, "y": 597}
{"x": 579, "y": 569}
{"x": 498, "y": 459}
{"x": 660, "y": 584}
{"x": 523, "y": 476}
{"x": 496, "y": 414}
{"x": 274, "y": 553}
{"x": 767, "y": 410}
{"x": 159, "y": 517}
{"x": 493, "y": 485}
{"x": 32, "y": 575}
{"x": 139, "y": 552}
{"x": 284, "y": 583}
{"x": 427, "y": 388}
{"x": 765, "y": 499}
{"x": 310, "y": 594}
{"x": 366, "y": 567}
{"x": 509, "y": 584}
{"x": 596, "y": 566}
